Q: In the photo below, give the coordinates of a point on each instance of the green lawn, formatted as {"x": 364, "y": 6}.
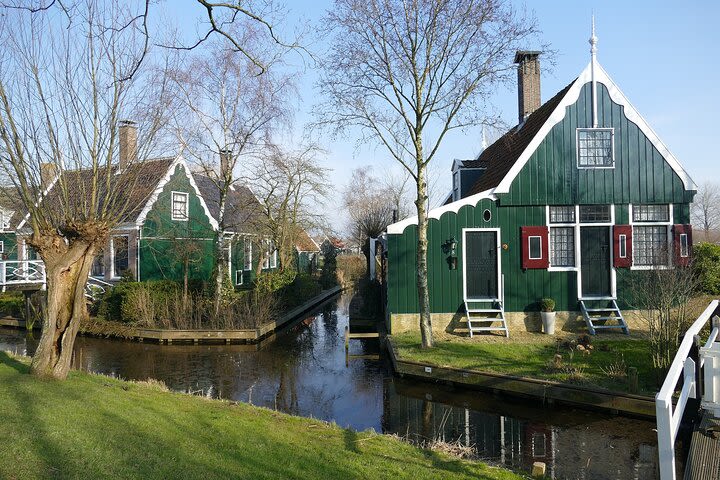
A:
{"x": 96, "y": 427}
{"x": 531, "y": 359}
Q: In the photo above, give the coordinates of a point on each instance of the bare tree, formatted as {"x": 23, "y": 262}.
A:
{"x": 706, "y": 208}
{"x": 220, "y": 17}
{"x": 408, "y": 73}
{"x": 372, "y": 204}
{"x": 291, "y": 187}
{"x": 229, "y": 114}
{"x": 62, "y": 95}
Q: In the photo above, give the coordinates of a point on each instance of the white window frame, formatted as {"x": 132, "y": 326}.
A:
{"x": 577, "y": 148}
{"x": 5, "y": 217}
{"x": 113, "y": 274}
{"x": 103, "y": 264}
{"x": 266, "y": 255}
{"x": 622, "y": 245}
{"x": 185, "y": 215}
{"x": 530, "y": 257}
{"x": 684, "y": 246}
{"x": 2, "y": 246}
{"x": 242, "y": 277}
{"x": 578, "y": 252}
{"x": 500, "y": 286}
{"x": 668, "y": 226}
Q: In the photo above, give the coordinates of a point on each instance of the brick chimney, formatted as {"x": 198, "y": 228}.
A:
{"x": 528, "y": 83}
{"x": 128, "y": 142}
{"x": 225, "y": 160}
{"x": 48, "y": 171}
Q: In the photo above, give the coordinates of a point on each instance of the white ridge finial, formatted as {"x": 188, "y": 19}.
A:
{"x": 593, "y": 38}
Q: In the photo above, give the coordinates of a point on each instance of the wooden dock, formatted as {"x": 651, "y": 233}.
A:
{"x": 703, "y": 462}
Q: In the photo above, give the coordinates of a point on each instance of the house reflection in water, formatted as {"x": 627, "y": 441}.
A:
{"x": 573, "y": 444}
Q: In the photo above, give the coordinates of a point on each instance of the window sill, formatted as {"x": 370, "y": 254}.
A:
{"x": 651, "y": 267}
{"x": 562, "y": 269}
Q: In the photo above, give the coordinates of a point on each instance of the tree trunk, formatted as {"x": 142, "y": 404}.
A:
{"x": 422, "y": 245}
{"x": 221, "y": 271}
{"x": 67, "y": 276}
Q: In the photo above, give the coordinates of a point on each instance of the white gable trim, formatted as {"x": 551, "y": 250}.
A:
{"x": 399, "y": 227}
{"x": 618, "y": 97}
{"x": 161, "y": 185}
{"x": 44, "y": 194}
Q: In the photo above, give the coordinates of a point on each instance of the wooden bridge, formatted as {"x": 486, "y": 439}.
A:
{"x": 694, "y": 381}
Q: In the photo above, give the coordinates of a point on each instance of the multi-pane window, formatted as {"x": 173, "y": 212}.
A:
{"x": 562, "y": 247}
{"x": 238, "y": 277}
{"x": 594, "y": 213}
{"x": 2, "y": 246}
{"x": 564, "y": 214}
{"x": 270, "y": 257}
{"x": 247, "y": 254}
{"x": 651, "y": 213}
{"x": 98, "y": 266}
{"x": 595, "y": 147}
{"x": 120, "y": 255}
{"x": 179, "y": 206}
{"x": 650, "y": 245}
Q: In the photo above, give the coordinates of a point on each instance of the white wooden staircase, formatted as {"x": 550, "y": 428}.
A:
{"x": 486, "y": 317}
{"x": 604, "y": 311}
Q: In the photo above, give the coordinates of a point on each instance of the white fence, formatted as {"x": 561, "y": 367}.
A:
{"x": 22, "y": 272}
{"x": 668, "y": 418}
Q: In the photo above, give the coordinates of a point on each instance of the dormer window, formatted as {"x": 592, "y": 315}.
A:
{"x": 595, "y": 148}
{"x": 5, "y": 219}
{"x": 179, "y": 206}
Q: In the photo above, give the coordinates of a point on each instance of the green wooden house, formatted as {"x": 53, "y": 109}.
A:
{"x": 169, "y": 231}
{"x": 570, "y": 203}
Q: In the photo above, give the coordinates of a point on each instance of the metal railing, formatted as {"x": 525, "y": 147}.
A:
{"x": 96, "y": 288}
{"x": 22, "y": 272}
{"x": 668, "y": 418}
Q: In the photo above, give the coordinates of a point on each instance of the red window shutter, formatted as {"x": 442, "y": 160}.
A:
{"x": 622, "y": 244}
{"x": 534, "y": 248}
{"x": 682, "y": 243}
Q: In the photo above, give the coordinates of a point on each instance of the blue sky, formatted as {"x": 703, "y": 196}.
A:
{"x": 660, "y": 53}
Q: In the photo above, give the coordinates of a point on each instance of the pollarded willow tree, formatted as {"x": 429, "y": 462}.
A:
{"x": 406, "y": 73}
{"x": 229, "y": 110}
{"x": 64, "y": 88}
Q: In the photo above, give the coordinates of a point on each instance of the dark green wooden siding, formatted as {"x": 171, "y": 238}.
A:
{"x": 641, "y": 174}
{"x": 166, "y": 243}
{"x": 551, "y": 177}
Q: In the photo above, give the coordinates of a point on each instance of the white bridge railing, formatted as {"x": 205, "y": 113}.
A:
{"x": 22, "y": 272}
{"x": 668, "y": 418}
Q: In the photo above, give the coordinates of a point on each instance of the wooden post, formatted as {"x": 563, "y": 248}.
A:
{"x": 633, "y": 379}
{"x": 347, "y": 338}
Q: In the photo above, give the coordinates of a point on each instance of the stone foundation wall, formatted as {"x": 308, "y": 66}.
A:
{"x": 517, "y": 321}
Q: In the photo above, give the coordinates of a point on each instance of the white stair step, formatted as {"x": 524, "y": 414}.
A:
{"x": 605, "y": 318}
{"x": 598, "y": 327}
{"x": 609, "y": 309}
{"x": 484, "y": 310}
{"x": 486, "y": 329}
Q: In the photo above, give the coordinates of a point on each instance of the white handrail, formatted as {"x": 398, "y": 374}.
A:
{"x": 668, "y": 419}
{"x": 15, "y": 272}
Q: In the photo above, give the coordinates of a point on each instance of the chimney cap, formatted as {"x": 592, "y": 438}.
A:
{"x": 521, "y": 55}
{"x": 128, "y": 123}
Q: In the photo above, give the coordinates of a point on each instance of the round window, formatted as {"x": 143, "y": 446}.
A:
{"x": 487, "y": 215}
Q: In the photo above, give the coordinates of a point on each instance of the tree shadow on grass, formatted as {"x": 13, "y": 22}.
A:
{"x": 14, "y": 363}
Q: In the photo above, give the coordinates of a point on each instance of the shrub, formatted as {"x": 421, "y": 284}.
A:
{"x": 351, "y": 268}
{"x": 547, "y": 305}
{"x": 11, "y": 304}
{"x": 706, "y": 265}
{"x": 274, "y": 280}
{"x": 302, "y": 288}
{"x": 328, "y": 276}
{"x": 135, "y": 302}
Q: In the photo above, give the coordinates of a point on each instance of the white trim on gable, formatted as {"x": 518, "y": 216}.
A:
{"x": 44, "y": 194}
{"x": 571, "y": 97}
{"x": 161, "y": 185}
{"x": 436, "y": 213}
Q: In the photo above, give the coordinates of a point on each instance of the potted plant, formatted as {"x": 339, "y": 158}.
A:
{"x": 547, "y": 312}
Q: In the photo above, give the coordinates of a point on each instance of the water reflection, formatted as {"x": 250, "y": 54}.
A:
{"x": 302, "y": 371}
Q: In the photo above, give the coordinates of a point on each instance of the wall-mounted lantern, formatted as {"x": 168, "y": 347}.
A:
{"x": 449, "y": 248}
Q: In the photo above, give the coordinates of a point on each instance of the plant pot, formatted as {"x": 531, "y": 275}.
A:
{"x": 548, "y": 321}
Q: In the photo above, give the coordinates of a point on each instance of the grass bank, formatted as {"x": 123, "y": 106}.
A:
{"x": 91, "y": 426}
{"x": 605, "y": 365}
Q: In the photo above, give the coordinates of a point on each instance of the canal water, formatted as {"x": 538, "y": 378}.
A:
{"x": 303, "y": 370}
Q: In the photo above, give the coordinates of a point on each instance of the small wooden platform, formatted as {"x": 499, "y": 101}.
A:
{"x": 703, "y": 461}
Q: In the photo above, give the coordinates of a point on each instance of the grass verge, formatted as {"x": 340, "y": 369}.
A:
{"x": 604, "y": 366}
{"x": 91, "y": 426}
